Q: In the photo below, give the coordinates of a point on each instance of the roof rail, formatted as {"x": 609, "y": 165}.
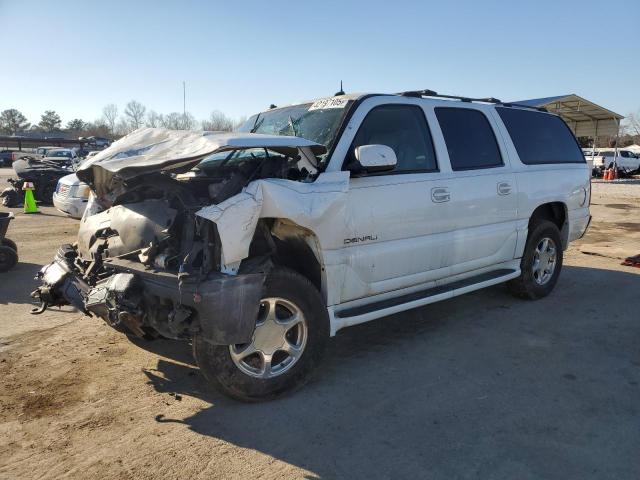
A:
{"x": 431, "y": 93}
{"x": 520, "y": 105}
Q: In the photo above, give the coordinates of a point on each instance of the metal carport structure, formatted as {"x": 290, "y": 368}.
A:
{"x": 585, "y": 118}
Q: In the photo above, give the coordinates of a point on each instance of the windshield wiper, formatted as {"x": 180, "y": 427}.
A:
{"x": 293, "y": 127}
{"x": 257, "y": 124}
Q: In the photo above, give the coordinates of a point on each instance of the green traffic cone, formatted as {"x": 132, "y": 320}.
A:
{"x": 29, "y": 201}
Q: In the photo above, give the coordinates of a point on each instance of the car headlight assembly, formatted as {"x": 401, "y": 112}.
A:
{"x": 83, "y": 191}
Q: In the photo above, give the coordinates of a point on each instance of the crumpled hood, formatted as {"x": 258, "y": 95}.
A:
{"x": 152, "y": 149}
{"x": 29, "y": 168}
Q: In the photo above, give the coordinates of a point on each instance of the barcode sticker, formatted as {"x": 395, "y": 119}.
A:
{"x": 333, "y": 102}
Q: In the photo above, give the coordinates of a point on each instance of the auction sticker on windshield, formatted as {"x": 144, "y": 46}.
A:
{"x": 333, "y": 102}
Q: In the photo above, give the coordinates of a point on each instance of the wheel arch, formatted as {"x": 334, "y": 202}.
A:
{"x": 293, "y": 246}
{"x": 555, "y": 212}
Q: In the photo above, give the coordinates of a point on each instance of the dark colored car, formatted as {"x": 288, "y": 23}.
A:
{"x": 6, "y": 158}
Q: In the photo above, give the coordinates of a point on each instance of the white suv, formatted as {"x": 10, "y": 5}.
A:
{"x": 258, "y": 245}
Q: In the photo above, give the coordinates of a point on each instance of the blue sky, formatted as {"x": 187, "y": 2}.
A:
{"x": 238, "y": 57}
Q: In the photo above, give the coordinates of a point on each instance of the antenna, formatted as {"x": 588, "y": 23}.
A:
{"x": 341, "y": 92}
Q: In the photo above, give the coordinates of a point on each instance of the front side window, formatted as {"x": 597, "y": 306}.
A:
{"x": 470, "y": 140}
{"x": 540, "y": 137}
{"x": 404, "y": 129}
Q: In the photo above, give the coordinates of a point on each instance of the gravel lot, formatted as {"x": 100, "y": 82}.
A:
{"x": 482, "y": 386}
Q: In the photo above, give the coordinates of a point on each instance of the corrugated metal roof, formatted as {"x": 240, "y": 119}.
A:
{"x": 584, "y": 117}
{"x": 573, "y": 106}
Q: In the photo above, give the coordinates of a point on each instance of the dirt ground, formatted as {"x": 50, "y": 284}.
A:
{"x": 481, "y": 386}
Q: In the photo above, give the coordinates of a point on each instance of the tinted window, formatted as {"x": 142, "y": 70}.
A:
{"x": 540, "y": 137}
{"x": 470, "y": 140}
{"x": 404, "y": 129}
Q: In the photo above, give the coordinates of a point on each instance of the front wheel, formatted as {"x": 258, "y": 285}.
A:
{"x": 290, "y": 336}
{"x": 540, "y": 264}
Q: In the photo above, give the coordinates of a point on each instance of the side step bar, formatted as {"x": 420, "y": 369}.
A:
{"x": 371, "y": 311}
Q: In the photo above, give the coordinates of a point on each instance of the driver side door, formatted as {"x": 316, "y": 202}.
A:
{"x": 399, "y": 222}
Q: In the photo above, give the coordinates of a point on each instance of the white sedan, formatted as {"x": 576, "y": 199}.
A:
{"x": 71, "y": 196}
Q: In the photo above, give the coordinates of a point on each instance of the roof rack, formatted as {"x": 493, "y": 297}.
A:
{"x": 432, "y": 93}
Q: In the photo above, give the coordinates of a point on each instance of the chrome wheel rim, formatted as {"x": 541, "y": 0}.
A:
{"x": 278, "y": 340}
{"x": 544, "y": 261}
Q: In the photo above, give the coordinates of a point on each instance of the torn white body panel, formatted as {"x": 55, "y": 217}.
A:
{"x": 317, "y": 206}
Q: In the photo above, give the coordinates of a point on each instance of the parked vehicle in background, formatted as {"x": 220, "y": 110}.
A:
{"x": 6, "y": 158}
{"x": 626, "y": 160}
{"x": 42, "y": 151}
{"x": 71, "y": 196}
{"x": 100, "y": 142}
{"x": 43, "y": 173}
{"x": 316, "y": 217}
{"x": 63, "y": 154}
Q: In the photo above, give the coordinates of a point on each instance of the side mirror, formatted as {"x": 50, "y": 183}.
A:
{"x": 375, "y": 158}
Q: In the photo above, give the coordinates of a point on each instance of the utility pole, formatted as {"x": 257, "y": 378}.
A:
{"x": 184, "y": 102}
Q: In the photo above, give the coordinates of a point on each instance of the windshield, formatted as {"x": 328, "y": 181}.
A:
{"x": 60, "y": 153}
{"x": 318, "y": 122}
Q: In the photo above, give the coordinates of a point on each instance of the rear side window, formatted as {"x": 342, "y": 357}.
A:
{"x": 540, "y": 137}
{"x": 470, "y": 140}
{"x": 404, "y": 129}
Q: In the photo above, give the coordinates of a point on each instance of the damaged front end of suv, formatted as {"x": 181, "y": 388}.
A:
{"x": 150, "y": 256}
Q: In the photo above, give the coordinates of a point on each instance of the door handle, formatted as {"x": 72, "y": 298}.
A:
{"x": 440, "y": 194}
{"x": 504, "y": 188}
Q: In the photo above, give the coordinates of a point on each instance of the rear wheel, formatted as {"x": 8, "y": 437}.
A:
{"x": 8, "y": 258}
{"x": 290, "y": 336}
{"x": 540, "y": 264}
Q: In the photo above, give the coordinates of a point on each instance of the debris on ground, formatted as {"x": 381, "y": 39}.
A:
{"x": 632, "y": 261}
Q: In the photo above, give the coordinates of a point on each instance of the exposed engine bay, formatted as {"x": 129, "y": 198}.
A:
{"x": 145, "y": 261}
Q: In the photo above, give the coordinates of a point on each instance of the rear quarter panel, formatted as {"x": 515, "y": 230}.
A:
{"x": 567, "y": 183}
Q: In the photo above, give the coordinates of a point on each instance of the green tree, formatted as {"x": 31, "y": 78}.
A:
{"x": 12, "y": 121}
{"x": 76, "y": 125}
{"x": 50, "y": 121}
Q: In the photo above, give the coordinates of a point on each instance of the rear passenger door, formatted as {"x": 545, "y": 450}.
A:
{"x": 483, "y": 192}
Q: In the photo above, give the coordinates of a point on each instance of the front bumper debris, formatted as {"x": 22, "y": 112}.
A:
{"x": 221, "y": 308}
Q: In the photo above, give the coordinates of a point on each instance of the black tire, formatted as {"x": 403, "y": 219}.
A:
{"x": 526, "y": 286}
{"x": 8, "y": 258}
{"x": 10, "y": 243}
{"x": 216, "y": 363}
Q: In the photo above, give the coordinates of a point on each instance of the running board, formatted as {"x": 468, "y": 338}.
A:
{"x": 371, "y": 311}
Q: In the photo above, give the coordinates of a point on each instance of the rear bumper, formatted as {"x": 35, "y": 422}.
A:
{"x": 579, "y": 220}
{"x": 579, "y": 227}
{"x": 222, "y": 308}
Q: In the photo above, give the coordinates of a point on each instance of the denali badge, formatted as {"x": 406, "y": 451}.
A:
{"x": 366, "y": 238}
